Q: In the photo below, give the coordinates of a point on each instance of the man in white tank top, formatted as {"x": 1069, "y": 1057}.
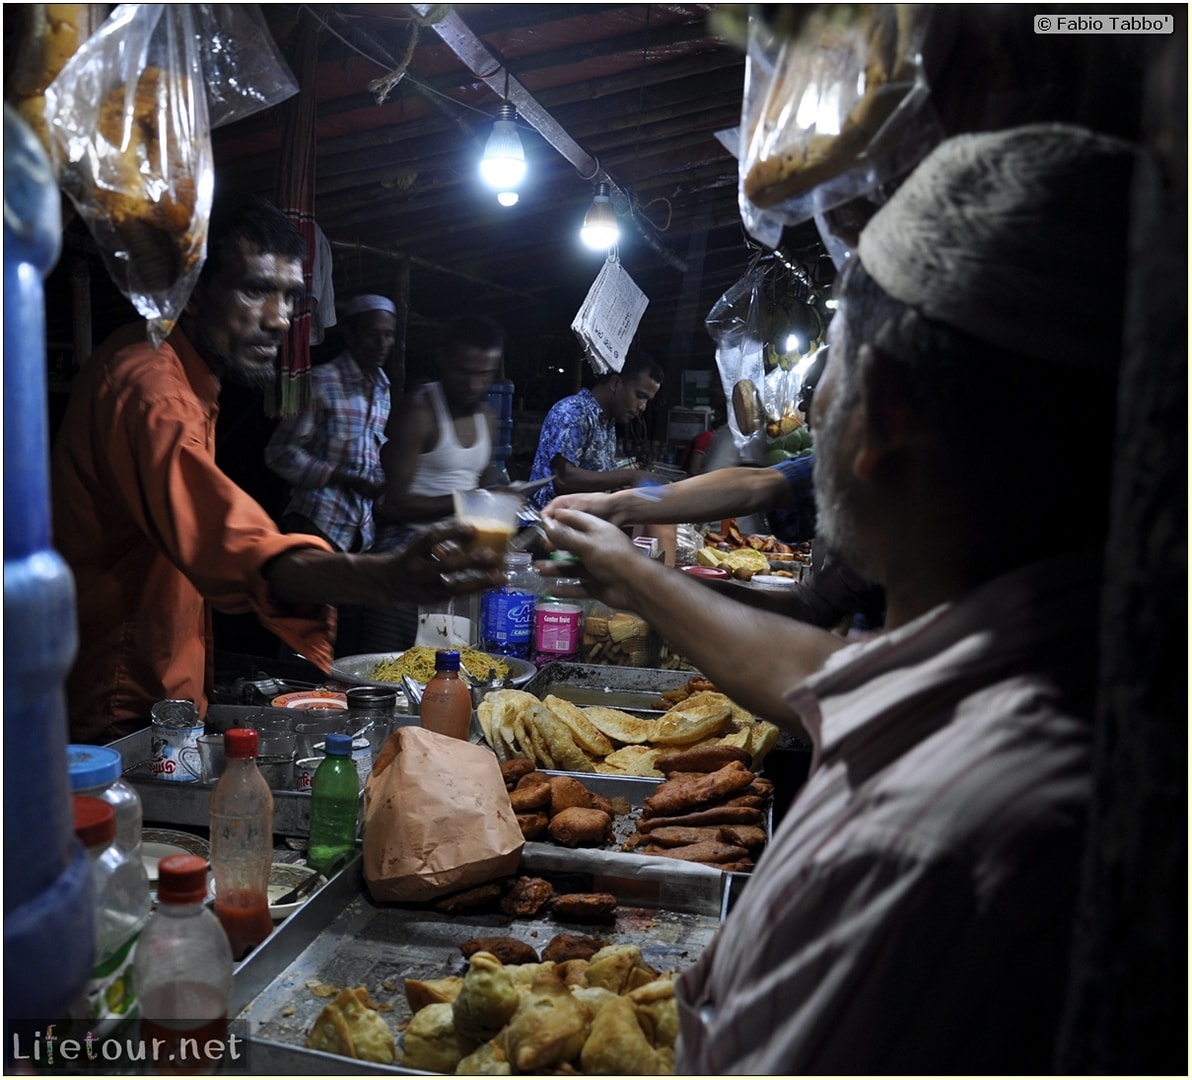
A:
{"x": 439, "y": 440}
{"x": 440, "y": 436}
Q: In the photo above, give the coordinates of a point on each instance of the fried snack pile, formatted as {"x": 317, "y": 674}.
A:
{"x": 351, "y": 1026}
{"x": 50, "y": 36}
{"x": 620, "y": 638}
{"x": 606, "y": 1013}
{"x": 746, "y": 555}
{"x": 559, "y": 807}
{"x": 525, "y": 896}
{"x": 710, "y": 809}
{"x": 557, "y": 734}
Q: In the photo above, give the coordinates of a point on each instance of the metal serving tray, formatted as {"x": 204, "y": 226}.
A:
{"x": 633, "y": 690}
{"x": 343, "y": 938}
{"x": 660, "y": 881}
{"x": 176, "y": 802}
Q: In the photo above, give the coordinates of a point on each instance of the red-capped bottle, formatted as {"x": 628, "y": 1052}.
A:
{"x": 242, "y": 844}
{"x": 446, "y": 702}
{"x": 122, "y": 906}
{"x": 183, "y": 973}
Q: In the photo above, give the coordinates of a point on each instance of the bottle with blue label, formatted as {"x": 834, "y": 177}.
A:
{"x": 507, "y": 613}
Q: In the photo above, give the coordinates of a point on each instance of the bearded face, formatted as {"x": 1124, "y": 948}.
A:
{"x": 834, "y": 422}
{"x": 241, "y": 314}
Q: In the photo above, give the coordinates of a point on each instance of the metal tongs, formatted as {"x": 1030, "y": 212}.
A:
{"x": 533, "y": 528}
{"x": 525, "y": 487}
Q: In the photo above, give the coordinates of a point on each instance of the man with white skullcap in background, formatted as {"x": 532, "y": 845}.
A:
{"x": 913, "y": 912}
{"x": 331, "y": 454}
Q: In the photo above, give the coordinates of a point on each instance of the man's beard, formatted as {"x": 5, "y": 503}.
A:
{"x": 835, "y": 504}
{"x": 253, "y": 378}
{"x": 248, "y": 375}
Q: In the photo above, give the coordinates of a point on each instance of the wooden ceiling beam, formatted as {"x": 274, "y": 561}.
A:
{"x": 629, "y": 45}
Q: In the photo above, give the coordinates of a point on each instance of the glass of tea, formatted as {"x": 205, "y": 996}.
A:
{"x": 493, "y": 514}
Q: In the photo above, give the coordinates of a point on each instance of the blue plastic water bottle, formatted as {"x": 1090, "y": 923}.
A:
{"x": 507, "y": 613}
{"x": 49, "y": 933}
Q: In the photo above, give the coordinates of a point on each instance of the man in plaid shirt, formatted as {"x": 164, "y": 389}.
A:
{"x": 331, "y": 454}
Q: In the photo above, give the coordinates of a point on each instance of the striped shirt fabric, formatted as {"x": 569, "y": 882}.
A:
{"x": 912, "y": 914}
{"x": 343, "y": 430}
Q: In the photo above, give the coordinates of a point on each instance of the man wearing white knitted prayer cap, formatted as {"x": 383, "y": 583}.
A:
{"x": 358, "y": 305}
{"x": 331, "y": 454}
{"x": 912, "y": 912}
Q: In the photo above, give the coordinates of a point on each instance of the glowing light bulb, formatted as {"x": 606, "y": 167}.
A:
{"x": 504, "y": 163}
{"x": 600, "y": 229}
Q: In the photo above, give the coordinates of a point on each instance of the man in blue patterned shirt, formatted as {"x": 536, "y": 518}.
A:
{"x": 331, "y": 454}
{"x": 578, "y": 443}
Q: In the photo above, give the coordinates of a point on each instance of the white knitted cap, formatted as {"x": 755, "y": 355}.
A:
{"x": 1017, "y": 237}
{"x": 358, "y": 305}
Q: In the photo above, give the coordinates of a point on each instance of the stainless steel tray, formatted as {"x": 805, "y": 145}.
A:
{"x": 175, "y": 802}
{"x": 633, "y": 690}
{"x": 664, "y": 882}
{"x": 343, "y": 938}
{"x": 628, "y": 688}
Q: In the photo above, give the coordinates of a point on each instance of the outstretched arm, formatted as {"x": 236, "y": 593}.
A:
{"x": 435, "y": 564}
{"x": 570, "y": 479}
{"x": 755, "y": 657}
{"x": 719, "y": 494}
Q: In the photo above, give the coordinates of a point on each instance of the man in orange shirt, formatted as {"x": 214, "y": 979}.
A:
{"x": 156, "y": 534}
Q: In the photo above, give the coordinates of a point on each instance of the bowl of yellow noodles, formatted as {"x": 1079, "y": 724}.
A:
{"x": 387, "y": 668}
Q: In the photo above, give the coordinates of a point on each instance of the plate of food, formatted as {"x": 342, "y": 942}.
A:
{"x": 387, "y": 668}
{"x": 311, "y": 699}
{"x": 705, "y": 571}
{"x": 157, "y": 844}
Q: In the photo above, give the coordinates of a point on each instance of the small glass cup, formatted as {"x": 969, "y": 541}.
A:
{"x": 209, "y": 750}
{"x": 314, "y": 726}
{"x": 493, "y": 514}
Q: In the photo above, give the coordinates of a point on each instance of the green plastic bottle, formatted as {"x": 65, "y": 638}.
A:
{"x": 333, "y": 798}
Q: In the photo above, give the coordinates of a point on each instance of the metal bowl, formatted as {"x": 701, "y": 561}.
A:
{"x": 356, "y": 669}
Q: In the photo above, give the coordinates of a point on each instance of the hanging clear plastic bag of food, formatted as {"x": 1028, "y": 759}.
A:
{"x": 836, "y": 105}
{"x": 129, "y": 131}
{"x": 765, "y": 327}
{"x": 739, "y": 359}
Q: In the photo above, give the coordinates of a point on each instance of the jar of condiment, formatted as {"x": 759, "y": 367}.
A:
{"x": 174, "y": 725}
{"x": 96, "y": 771}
